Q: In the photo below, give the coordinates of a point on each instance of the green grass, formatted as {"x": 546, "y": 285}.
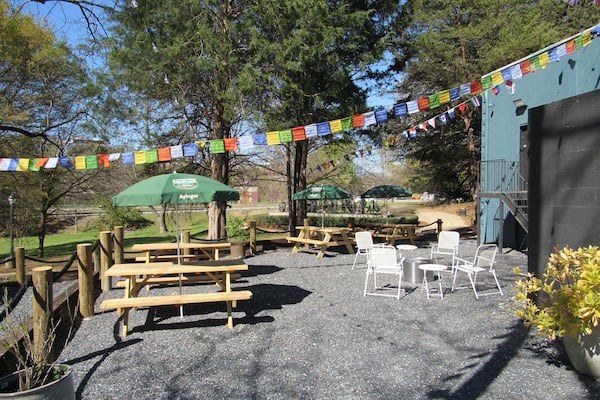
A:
{"x": 64, "y": 244}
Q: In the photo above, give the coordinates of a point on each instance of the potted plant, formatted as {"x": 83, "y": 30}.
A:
{"x": 238, "y": 236}
{"x": 36, "y": 376}
{"x": 566, "y": 303}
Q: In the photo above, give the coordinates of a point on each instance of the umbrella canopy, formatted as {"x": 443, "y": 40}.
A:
{"x": 322, "y": 192}
{"x": 386, "y": 192}
{"x": 175, "y": 188}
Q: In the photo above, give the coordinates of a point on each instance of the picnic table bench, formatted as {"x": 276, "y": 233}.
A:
{"x": 163, "y": 272}
{"x": 394, "y": 232}
{"x": 165, "y": 251}
{"x": 322, "y": 238}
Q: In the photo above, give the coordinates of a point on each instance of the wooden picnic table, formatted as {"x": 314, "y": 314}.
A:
{"x": 394, "y": 232}
{"x": 162, "y": 272}
{"x": 159, "y": 251}
{"x": 322, "y": 238}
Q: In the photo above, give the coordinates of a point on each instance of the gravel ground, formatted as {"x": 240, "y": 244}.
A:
{"x": 309, "y": 333}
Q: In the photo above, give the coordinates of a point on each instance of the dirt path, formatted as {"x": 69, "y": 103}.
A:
{"x": 450, "y": 214}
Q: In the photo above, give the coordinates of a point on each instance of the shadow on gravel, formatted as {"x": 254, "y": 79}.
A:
{"x": 264, "y": 297}
{"x": 103, "y": 354}
{"x": 475, "y": 387}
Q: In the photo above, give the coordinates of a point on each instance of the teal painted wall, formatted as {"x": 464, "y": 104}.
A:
{"x": 573, "y": 74}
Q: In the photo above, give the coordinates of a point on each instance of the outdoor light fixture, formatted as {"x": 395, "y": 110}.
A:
{"x": 520, "y": 106}
{"x": 12, "y": 200}
{"x": 519, "y": 103}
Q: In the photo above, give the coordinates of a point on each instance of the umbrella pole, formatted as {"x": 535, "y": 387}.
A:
{"x": 178, "y": 238}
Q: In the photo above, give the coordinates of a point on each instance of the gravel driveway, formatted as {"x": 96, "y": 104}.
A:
{"x": 309, "y": 333}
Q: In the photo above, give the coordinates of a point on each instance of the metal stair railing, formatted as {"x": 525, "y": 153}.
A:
{"x": 503, "y": 177}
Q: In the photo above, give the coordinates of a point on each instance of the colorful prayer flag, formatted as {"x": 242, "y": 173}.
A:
{"x": 231, "y": 144}
{"x": 217, "y": 146}
{"x": 423, "y": 103}
{"x": 298, "y": 133}
{"x": 400, "y": 110}
{"x": 370, "y": 118}
{"x": 358, "y": 121}
{"x": 311, "y": 130}
{"x": 335, "y": 126}
{"x": 323, "y": 129}
{"x": 273, "y": 138}
{"x": 260, "y": 138}
{"x": 285, "y": 136}
{"x": 434, "y": 101}
{"x": 413, "y": 106}
{"x": 190, "y": 149}
{"x": 381, "y": 115}
{"x": 164, "y": 154}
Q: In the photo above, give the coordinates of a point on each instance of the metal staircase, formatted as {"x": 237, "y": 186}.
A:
{"x": 501, "y": 179}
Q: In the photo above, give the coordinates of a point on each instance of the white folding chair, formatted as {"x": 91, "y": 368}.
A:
{"x": 384, "y": 261}
{"x": 447, "y": 246}
{"x": 483, "y": 262}
{"x": 364, "y": 244}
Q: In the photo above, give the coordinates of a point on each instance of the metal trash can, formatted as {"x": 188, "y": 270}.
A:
{"x": 412, "y": 274}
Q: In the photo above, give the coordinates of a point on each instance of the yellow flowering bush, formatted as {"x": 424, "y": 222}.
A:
{"x": 567, "y": 299}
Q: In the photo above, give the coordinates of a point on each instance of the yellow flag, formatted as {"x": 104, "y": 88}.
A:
{"x": 335, "y": 126}
{"x": 497, "y": 78}
{"x": 273, "y": 138}
{"x": 139, "y": 157}
{"x": 79, "y": 162}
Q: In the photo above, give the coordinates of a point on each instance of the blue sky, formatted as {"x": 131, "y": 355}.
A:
{"x": 67, "y": 22}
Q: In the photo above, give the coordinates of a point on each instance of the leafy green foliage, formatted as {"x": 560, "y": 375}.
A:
{"x": 567, "y": 299}
{"x": 128, "y": 217}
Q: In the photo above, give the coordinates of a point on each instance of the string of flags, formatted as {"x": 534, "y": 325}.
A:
{"x": 471, "y": 90}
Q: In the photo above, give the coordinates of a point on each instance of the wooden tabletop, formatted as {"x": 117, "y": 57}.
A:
{"x": 173, "y": 246}
{"x": 164, "y": 268}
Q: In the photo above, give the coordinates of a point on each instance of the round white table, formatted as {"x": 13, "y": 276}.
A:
{"x": 406, "y": 247}
{"x": 436, "y": 269}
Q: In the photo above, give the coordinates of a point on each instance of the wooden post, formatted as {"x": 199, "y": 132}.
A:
{"x": 86, "y": 279}
{"x": 20, "y": 264}
{"x": 252, "y": 224}
{"x": 186, "y": 239}
{"x": 118, "y": 245}
{"x": 42, "y": 312}
{"x": 106, "y": 260}
{"x": 439, "y": 225}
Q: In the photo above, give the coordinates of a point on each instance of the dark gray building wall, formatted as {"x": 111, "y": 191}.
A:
{"x": 564, "y": 178}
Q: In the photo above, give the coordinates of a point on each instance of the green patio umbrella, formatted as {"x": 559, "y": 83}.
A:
{"x": 322, "y": 192}
{"x": 175, "y": 189}
{"x": 386, "y": 192}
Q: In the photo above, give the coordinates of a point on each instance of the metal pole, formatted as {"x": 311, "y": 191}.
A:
{"x": 11, "y": 202}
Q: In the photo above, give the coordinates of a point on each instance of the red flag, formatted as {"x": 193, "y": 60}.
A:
{"x": 231, "y": 144}
{"x": 424, "y": 104}
{"x": 164, "y": 154}
{"x": 476, "y": 87}
{"x": 104, "y": 160}
{"x": 358, "y": 121}
{"x": 298, "y": 133}
{"x": 525, "y": 67}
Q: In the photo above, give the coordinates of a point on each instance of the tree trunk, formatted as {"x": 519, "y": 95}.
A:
{"x": 217, "y": 211}
{"x": 162, "y": 217}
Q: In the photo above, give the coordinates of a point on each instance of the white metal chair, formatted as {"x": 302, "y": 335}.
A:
{"x": 364, "y": 244}
{"x": 384, "y": 261}
{"x": 447, "y": 246}
{"x": 483, "y": 262}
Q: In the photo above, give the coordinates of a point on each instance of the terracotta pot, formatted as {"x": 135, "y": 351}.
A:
{"x": 60, "y": 389}
{"x": 584, "y": 352}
